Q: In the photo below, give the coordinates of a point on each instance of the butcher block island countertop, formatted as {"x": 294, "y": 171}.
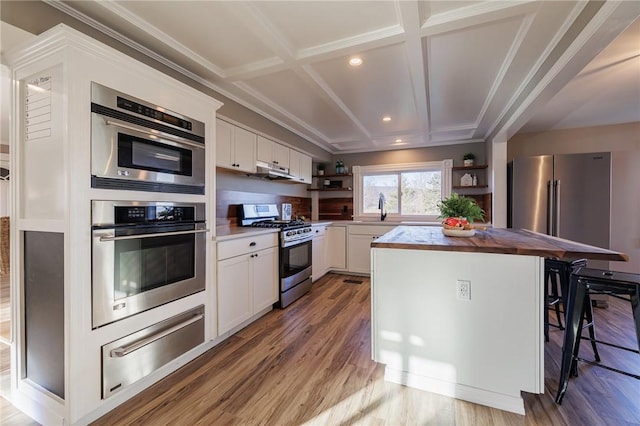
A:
{"x": 463, "y": 316}
{"x": 493, "y": 240}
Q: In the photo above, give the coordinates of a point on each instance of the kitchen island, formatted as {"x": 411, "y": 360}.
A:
{"x": 463, "y": 317}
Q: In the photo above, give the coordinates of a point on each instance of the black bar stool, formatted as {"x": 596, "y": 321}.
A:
{"x": 585, "y": 281}
{"x": 557, "y": 274}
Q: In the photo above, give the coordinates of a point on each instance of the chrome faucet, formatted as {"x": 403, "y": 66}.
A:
{"x": 383, "y": 211}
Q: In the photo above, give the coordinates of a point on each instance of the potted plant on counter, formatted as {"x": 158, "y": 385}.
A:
{"x": 458, "y": 213}
{"x": 320, "y": 169}
{"x": 468, "y": 159}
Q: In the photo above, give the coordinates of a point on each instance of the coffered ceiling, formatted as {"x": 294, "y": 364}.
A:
{"x": 444, "y": 72}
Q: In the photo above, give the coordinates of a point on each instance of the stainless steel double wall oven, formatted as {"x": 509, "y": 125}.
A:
{"x": 145, "y": 254}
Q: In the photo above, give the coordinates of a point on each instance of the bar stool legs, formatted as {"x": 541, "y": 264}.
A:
{"x": 582, "y": 282}
{"x": 574, "y": 306}
{"x": 557, "y": 276}
{"x": 553, "y": 298}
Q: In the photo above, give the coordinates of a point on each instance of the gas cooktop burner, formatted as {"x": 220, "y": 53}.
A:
{"x": 282, "y": 224}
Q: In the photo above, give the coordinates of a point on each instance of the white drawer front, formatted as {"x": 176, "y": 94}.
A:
{"x": 318, "y": 230}
{"x": 232, "y": 248}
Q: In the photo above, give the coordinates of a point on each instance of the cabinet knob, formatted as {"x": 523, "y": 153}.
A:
{"x": 252, "y": 244}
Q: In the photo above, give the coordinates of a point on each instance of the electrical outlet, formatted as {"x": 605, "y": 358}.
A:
{"x": 463, "y": 289}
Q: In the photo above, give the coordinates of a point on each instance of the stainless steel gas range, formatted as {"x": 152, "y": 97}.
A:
{"x": 294, "y": 252}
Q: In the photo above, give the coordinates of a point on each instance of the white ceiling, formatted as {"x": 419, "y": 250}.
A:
{"x": 446, "y": 72}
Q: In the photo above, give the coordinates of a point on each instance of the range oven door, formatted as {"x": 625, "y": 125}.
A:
{"x": 139, "y": 268}
{"x": 295, "y": 263}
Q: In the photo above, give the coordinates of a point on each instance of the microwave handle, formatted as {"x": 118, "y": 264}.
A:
{"x": 176, "y": 139}
{"x": 111, "y": 237}
{"x": 126, "y": 350}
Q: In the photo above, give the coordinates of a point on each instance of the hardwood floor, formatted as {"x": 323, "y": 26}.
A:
{"x": 310, "y": 364}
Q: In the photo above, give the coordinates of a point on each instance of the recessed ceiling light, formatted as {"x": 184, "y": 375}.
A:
{"x": 355, "y": 61}
{"x": 386, "y": 118}
{"x": 398, "y": 140}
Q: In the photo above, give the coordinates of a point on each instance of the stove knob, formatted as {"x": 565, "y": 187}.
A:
{"x": 299, "y": 231}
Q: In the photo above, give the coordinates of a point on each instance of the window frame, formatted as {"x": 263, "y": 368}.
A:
{"x": 444, "y": 166}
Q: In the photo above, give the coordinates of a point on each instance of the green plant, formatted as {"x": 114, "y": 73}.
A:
{"x": 460, "y": 206}
{"x": 469, "y": 156}
{"x": 321, "y": 166}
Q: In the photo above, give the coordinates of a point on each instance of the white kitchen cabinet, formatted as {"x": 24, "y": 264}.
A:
{"x": 235, "y": 147}
{"x": 247, "y": 278}
{"x": 234, "y": 292}
{"x": 319, "y": 251}
{"x": 359, "y": 246}
{"x": 265, "y": 279}
{"x": 336, "y": 242}
{"x": 272, "y": 152}
{"x": 300, "y": 166}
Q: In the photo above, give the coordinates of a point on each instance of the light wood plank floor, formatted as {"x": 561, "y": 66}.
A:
{"x": 310, "y": 365}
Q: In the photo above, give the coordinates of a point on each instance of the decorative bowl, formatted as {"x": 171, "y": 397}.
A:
{"x": 458, "y": 232}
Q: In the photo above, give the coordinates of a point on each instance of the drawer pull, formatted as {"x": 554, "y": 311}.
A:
{"x": 252, "y": 244}
{"x": 126, "y": 350}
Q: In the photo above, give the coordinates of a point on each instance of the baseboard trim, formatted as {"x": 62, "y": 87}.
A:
{"x": 513, "y": 404}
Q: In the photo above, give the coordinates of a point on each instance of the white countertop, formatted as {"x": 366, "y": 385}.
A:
{"x": 231, "y": 232}
{"x": 225, "y": 232}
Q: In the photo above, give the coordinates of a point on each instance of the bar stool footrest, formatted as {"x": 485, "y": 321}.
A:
{"x": 606, "y": 367}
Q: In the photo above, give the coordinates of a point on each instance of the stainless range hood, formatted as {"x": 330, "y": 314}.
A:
{"x": 271, "y": 171}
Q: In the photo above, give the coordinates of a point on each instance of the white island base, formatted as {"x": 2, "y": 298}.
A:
{"x": 485, "y": 350}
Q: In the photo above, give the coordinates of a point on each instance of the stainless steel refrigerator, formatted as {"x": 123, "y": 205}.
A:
{"x": 567, "y": 196}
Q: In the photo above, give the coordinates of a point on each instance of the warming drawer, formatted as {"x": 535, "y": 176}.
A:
{"x": 126, "y": 360}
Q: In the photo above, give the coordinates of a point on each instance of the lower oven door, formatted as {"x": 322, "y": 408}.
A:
{"x": 295, "y": 263}
{"x": 133, "y": 272}
{"x": 133, "y": 357}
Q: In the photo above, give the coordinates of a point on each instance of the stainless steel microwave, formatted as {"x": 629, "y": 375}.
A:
{"x": 137, "y": 145}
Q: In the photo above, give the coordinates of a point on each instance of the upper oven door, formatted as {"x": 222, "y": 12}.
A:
{"x": 124, "y": 150}
{"x": 138, "y": 269}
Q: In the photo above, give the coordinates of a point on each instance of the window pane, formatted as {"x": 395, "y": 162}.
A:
{"x": 373, "y": 186}
{"x": 421, "y": 193}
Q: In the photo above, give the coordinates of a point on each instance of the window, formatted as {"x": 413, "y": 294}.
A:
{"x": 406, "y": 191}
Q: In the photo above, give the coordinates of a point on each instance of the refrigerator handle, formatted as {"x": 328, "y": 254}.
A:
{"x": 557, "y": 208}
{"x": 549, "y": 208}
